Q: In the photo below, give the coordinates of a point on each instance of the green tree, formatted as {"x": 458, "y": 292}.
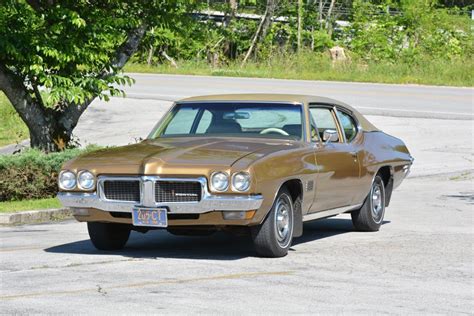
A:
{"x": 407, "y": 30}
{"x": 56, "y": 57}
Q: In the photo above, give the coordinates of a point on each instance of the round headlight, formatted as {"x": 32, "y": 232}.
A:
{"x": 241, "y": 181}
{"x": 219, "y": 181}
{"x": 86, "y": 180}
{"x": 67, "y": 180}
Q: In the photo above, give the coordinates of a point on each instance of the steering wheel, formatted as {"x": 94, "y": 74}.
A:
{"x": 274, "y": 130}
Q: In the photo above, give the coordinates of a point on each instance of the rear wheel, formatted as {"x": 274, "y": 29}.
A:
{"x": 370, "y": 216}
{"x": 274, "y": 236}
{"x": 108, "y": 236}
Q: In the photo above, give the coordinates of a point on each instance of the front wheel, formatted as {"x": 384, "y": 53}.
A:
{"x": 370, "y": 216}
{"x": 108, "y": 236}
{"x": 274, "y": 236}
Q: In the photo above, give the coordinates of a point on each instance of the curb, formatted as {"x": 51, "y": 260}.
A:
{"x": 35, "y": 217}
{"x": 10, "y": 149}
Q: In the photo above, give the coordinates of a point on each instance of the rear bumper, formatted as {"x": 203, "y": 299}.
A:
{"x": 207, "y": 204}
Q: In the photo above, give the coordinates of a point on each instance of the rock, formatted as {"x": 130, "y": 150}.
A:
{"x": 337, "y": 54}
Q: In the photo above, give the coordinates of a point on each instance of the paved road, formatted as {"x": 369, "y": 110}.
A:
{"x": 377, "y": 99}
{"x": 150, "y": 96}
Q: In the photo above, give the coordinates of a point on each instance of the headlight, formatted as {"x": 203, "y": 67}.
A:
{"x": 67, "y": 180}
{"x": 241, "y": 181}
{"x": 86, "y": 180}
{"x": 219, "y": 181}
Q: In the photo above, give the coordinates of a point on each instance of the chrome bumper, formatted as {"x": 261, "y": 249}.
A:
{"x": 207, "y": 204}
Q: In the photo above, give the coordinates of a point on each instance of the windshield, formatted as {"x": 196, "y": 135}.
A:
{"x": 270, "y": 120}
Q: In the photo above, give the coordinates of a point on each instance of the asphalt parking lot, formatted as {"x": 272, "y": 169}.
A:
{"x": 421, "y": 262}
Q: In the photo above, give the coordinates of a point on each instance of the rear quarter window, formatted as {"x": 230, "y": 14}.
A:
{"x": 349, "y": 125}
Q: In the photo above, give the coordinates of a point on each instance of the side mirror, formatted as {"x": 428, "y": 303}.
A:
{"x": 330, "y": 136}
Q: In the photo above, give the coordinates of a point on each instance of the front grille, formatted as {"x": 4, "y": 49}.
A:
{"x": 173, "y": 191}
{"x": 122, "y": 190}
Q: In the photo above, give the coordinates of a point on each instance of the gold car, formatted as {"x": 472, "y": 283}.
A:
{"x": 264, "y": 163}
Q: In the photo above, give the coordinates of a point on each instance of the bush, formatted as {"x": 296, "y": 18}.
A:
{"x": 33, "y": 174}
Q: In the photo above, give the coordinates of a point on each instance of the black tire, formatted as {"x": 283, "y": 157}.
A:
{"x": 267, "y": 237}
{"x": 190, "y": 232}
{"x": 108, "y": 236}
{"x": 370, "y": 216}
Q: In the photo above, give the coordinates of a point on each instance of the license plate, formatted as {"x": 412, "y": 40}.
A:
{"x": 151, "y": 217}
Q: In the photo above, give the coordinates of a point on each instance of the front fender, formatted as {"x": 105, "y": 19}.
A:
{"x": 273, "y": 172}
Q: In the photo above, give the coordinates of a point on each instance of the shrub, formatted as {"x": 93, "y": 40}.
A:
{"x": 33, "y": 174}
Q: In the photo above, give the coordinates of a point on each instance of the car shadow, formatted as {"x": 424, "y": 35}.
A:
{"x": 324, "y": 228}
{"x": 219, "y": 246}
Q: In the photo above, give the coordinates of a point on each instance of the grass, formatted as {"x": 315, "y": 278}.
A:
{"x": 314, "y": 66}
{"x": 26, "y": 205}
{"x": 12, "y": 128}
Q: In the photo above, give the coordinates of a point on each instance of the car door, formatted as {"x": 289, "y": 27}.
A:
{"x": 337, "y": 162}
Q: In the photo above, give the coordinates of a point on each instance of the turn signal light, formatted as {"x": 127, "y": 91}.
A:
{"x": 229, "y": 215}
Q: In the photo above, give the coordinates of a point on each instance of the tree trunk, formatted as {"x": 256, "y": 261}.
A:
{"x": 168, "y": 58}
{"x": 151, "y": 52}
{"x": 51, "y": 129}
{"x": 254, "y": 40}
{"x": 320, "y": 13}
{"x": 233, "y": 11}
{"x": 230, "y": 49}
{"x": 53, "y": 137}
{"x": 47, "y": 132}
{"x": 267, "y": 21}
{"x": 262, "y": 28}
{"x": 328, "y": 16}
{"x": 30, "y": 109}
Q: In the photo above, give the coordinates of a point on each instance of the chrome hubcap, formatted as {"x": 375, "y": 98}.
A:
{"x": 283, "y": 221}
{"x": 377, "y": 202}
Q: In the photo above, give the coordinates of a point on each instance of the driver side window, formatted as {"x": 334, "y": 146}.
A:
{"x": 324, "y": 120}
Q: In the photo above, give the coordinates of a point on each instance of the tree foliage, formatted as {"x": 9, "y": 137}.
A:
{"x": 57, "y": 56}
{"x": 408, "y": 30}
{"x": 373, "y": 30}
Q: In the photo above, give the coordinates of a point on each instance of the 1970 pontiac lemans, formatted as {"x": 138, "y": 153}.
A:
{"x": 264, "y": 163}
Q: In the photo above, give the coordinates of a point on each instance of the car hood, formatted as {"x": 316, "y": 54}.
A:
{"x": 176, "y": 155}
